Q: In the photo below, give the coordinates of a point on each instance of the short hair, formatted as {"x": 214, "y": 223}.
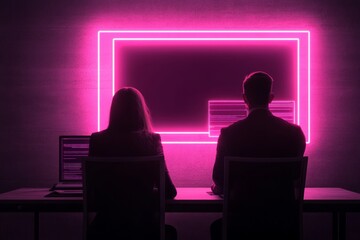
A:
{"x": 129, "y": 112}
{"x": 257, "y": 87}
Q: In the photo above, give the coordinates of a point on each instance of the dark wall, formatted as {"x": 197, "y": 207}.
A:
{"x": 48, "y": 74}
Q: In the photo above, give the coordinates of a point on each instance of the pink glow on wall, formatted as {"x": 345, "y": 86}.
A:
{"x": 108, "y": 39}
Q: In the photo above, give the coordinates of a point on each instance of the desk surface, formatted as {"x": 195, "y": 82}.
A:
{"x": 187, "y": 199}
{"x": 186, "y": 194}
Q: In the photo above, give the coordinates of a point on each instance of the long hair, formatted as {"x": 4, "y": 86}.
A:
{"x": 129, "y": 111}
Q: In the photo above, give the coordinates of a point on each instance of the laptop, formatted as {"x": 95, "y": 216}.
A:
{"x": 71, "y": 151}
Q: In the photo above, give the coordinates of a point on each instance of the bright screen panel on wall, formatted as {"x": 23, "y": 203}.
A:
{"x": 181, "y": 72}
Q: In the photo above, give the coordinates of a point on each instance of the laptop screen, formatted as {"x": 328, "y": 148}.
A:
{"x": 72, "y": 149}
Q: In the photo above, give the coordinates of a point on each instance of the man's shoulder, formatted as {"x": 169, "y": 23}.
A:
{"x": 287, "y": 124}
{"x": 276, "y": 123}
{"x": 292, "y": 130}
{"x": 234, "y": 132}
{"x": 233, "y": 127}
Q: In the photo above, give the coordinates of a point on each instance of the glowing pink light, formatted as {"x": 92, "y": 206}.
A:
{"x": 188, "y": 142}
{"x": 183, "y": 133}
{"x": 106, "y": 69}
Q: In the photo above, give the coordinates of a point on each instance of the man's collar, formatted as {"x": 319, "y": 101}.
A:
{"x": 257, "y": 108}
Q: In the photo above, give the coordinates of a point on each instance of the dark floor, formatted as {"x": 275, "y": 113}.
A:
{"x": 68, "y": 226}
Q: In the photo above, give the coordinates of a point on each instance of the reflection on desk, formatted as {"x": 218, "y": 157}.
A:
{"x": 65, "y": 193}
{"x": 187, "y": 200}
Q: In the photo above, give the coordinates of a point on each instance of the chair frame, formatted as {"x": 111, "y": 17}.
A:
{"x": 158, "y": 158}
{"x": 229, "y": 159}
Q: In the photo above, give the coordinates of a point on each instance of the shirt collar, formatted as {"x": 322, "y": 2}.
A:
{"x": 258, "y": 108}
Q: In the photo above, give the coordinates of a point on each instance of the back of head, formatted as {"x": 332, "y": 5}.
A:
{"x": 257, "y": 88}
{"x": 129, "y": 111}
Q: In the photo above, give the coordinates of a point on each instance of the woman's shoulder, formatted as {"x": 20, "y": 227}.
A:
{"x": 153, "y": 134}
{"x": 150, "y": 135}
{"x": 136, "y": 136}
{"x": 96, "y": 135}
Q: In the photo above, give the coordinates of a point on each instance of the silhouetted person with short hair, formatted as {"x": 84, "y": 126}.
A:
{"x": 260, "y": 134}
{"x": 129, "y": 133}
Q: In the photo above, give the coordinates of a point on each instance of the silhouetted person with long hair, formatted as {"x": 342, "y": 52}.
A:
{"x": 260, "y": 134}
{"x": 129, "y": 133}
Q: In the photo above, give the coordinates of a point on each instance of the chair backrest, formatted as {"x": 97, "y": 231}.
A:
{"x": 263, "y": 198}
{"x": 126, "y": 195}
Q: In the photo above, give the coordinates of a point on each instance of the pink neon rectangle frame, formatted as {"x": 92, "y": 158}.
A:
{"x": 106, "y": 84}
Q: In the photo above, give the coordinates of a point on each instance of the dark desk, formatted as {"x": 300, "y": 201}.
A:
{"x": 338, "y": 201}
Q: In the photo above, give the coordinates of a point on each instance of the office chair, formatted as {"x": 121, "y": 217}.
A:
{"x": 123, "y": 198}
{"x": 263, "y": 198}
